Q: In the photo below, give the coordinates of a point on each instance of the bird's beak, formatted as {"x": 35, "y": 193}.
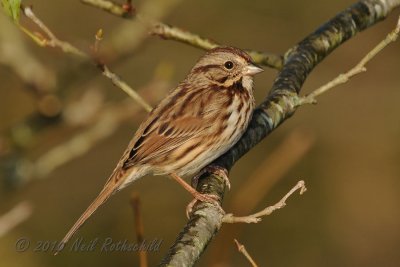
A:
{"x": 252, "y": 69}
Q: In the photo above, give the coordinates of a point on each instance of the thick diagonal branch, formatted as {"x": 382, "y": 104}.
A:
{"x": 279, "y": 105}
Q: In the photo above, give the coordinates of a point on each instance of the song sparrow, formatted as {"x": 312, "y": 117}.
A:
{"x": 196, "y": 123}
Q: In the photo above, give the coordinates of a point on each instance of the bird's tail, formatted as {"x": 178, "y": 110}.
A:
{"x": 115, "y": 183}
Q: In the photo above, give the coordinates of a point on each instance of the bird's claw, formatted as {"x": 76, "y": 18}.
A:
{"x": 215, "y": 169}
{"x": 210, "y": 198}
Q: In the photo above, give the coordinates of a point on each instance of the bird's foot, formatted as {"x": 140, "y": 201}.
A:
{"x": 215, "y": 169}
{"x": 213, "y": 199}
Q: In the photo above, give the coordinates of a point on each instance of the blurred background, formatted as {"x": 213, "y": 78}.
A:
{"x": 64, "y": 126}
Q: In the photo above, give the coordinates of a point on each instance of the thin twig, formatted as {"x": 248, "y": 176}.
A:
{"x": 14, "y": 217}
{"x": 121, "y": 84}
{"x": 242, "y": 249}
{"x": 168, "y": 32}
{"x": 52, "y": 40}
{"x": 256, "y": 217}
{"x": 124, "y": 10}
{"x": 278, "y": 163}
{"x": 139, "y": 228}
{"x": 66, "y": 47}
{"x": 115, "y": 79}
{"x": 359, "y": 68}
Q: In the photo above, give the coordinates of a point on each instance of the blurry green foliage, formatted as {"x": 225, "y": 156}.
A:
{"x": 12, "y": 8}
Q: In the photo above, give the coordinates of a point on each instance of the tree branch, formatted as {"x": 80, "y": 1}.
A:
{"x": 279, "y": 105}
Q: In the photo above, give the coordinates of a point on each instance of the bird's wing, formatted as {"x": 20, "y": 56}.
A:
{"x": 165, "y": 136}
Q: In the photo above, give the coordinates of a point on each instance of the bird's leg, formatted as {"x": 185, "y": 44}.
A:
{"x": 197, "y": 196}
{"x": 194, "y": 192}
{"x": 215, "y": 169}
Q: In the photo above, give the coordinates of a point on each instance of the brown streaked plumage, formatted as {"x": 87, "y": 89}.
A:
{"x": 198, "y": 121}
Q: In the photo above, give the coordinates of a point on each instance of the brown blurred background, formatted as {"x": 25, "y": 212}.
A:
{"x": 347, "y": 148}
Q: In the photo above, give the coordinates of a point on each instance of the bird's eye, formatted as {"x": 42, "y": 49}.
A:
{"x": 228, "y": 65}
